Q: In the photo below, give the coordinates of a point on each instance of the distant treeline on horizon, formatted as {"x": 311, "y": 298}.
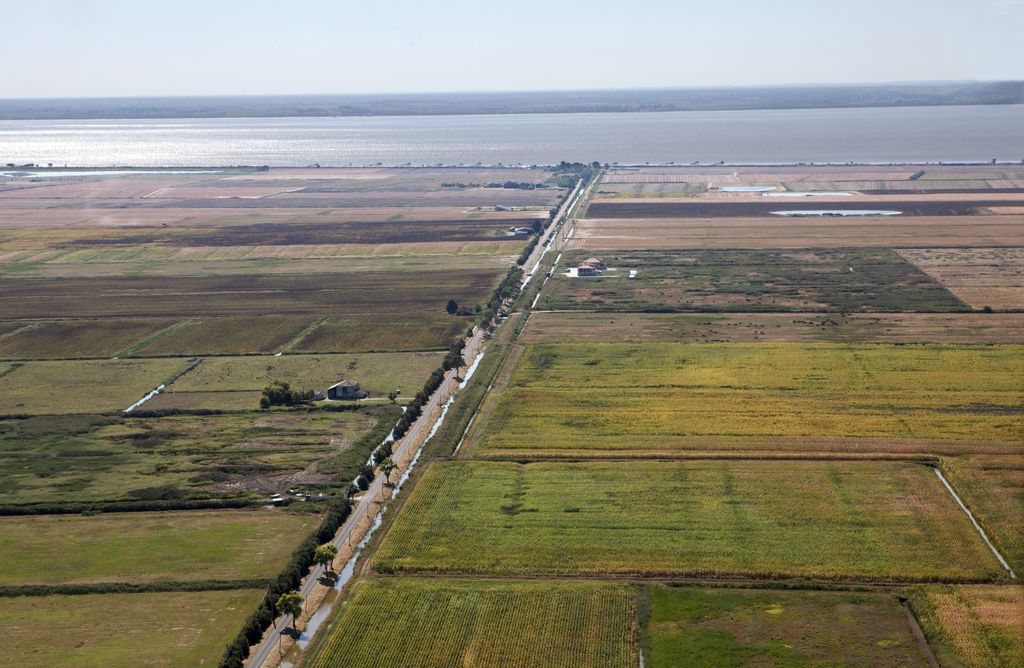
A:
{"x": 428, "y": 104}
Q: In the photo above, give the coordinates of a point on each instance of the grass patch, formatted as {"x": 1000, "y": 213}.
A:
{"x": 721, "y": 628}
{"x": 147, "y": 547}
{"x": 89, "y": 458}
{"x": 163, "y": 629}
{"x": 82, "y": 386}
{"x": 377, "y": 373}
{"x": 849, "y": 520}
{"x": 409, "y": 622}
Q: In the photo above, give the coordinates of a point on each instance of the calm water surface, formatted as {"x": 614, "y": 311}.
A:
{"x": 907, "y": 134}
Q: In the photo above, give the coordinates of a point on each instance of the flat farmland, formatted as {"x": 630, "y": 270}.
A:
{"x": 392, "y": 622}
{"x": 975, "y": 626}
{"x": 34, "y": 221}
{"x": 296, "y": 187}
{"x": 855, "y": 279}
{"x": 95, "y": 458}
{"x": 233, "y": 260}
{"x": 781, "y": 232}
{"x": 581, "y": 327}
{"x": 358, "y": 332}
{"x": 601, "y": 399}
{"x": 992, "y": 486}
{"x": 322, "y": 229}
{"x": 738, "y": 627}
{"x": 404, "y": 309}
{"x": 241, "y": 295}
{"x": 223, "y": 381}
{"x": 148, "y": 547}
{"x": 77, "y": 338}
{"x": 992, "y": 277}
{"x": 226, "y": 335}
{"x": 832, "y": 177}
{"x": 82, "y": 386}
{"x": 850, "y": 520}
{"x": 170, "y": 629}
{"x": 916, "y": 208}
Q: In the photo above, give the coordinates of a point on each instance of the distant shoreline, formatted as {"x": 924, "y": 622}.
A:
{"x": 915, "y": 94}
{"x": 10, "y": 172}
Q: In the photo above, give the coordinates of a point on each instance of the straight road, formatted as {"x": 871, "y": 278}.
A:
{"x": 369, "y": 504}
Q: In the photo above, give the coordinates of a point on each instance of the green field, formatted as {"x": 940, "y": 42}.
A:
{"x": 585, "y": 399}
{"x": 972, "y": 626}
{"x": 84, "y": 386}
{"x": 722, "y": 628}
{"x": 394, "y": 622}
{"x": 147, "y": 547}
{"x": 846, "y": 520}
{"x": 87, "y": 458}
{"x": 859, "y": 279}
{"x": 185, "y": 629}
{"x": 233, "y": 383}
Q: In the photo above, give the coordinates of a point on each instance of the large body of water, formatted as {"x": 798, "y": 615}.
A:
{"x": 870, "y": 135}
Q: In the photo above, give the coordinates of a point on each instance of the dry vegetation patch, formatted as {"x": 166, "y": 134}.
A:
{"x": 973, "y": 626}
{"x": 992, "y": 277}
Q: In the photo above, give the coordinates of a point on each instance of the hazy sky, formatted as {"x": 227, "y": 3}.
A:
{"x": 57, "y": 48}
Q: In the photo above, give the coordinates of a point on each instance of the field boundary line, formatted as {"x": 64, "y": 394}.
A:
{"x": 719, "y": 580}
{"x": 303, "y": 335}
{"x": 918, "y": 633}
{"x": 27, "y": 327}
{"x": 977, "y": 526}
{"x": 160, "y": 586}
{"x": 158, "y": 334}
{"x": 524, "y": 458}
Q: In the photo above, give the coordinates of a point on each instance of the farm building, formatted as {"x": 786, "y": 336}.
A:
{"x": 521, "y": 231}
{"x": 346, "y": 390}
{"x": 592, "y": 266}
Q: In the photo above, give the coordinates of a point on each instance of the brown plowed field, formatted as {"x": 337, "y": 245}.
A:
{"x": 979, "y": 276}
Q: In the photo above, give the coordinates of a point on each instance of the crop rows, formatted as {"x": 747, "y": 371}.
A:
{"x": 404, "y": 622}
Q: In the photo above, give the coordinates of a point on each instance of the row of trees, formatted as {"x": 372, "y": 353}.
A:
{"x": 282, "y": 594}
{"x": 287, "y": 581}
{"x": 280, "y": 393}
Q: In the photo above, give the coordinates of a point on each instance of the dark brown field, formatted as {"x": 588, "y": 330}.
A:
{"x": 554, "y": 327}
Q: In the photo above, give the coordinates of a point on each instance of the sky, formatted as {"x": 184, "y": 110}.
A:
{"x": 99, "y": 48}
